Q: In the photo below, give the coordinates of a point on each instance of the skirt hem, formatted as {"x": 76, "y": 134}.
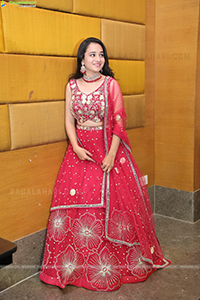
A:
{"x": 124, "y": 280}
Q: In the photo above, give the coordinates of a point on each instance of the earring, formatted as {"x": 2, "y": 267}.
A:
{"x": 101, "y": 71}
{"x": 83, "y": 69}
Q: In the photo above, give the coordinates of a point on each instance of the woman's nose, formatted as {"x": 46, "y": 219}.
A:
{"x": 98, "y": 57}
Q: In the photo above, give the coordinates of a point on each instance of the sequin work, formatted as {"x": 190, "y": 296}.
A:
{"x": 101, "y": 231}
{"x": 87, "y": 107}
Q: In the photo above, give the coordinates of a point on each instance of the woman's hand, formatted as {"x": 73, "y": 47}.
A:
{"x": 82, "y": 153}
{"x": 108, "y": 163}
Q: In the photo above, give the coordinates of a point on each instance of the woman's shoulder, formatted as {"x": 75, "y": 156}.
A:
{"x": 72, "y": 83}
{"x": 113, "y": 83}
{"x": 111, "y": 79}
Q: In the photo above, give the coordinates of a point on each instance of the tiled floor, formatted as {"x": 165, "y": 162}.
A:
{"x": 180, "y": 243}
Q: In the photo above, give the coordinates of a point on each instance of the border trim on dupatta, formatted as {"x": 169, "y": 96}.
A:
{"x": 126, "y": 147}
{"x": 108, "y": 175}
{"x": 84, "y": 205}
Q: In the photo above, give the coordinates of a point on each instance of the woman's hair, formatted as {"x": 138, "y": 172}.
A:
{"x": 106, "y": 70}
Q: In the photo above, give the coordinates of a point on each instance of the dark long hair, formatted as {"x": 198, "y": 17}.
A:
{"x": 106, "y": 70}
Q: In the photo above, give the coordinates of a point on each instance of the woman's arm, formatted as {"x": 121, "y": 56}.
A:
{"x": 82, "y": 153}
{"x": 108, "y": 161}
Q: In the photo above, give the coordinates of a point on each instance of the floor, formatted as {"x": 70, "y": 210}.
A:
{"x": 180, "y": 242}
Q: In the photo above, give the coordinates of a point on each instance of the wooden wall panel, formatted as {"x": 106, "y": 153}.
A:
{"x": 1, "y": 33}
{"x": 174, "y": 157}
{"x": 35, "y": 124}
{"x": 176, "y": 53}
{"x": 142, "y": 143}
{"x": 130, "y": 75}
{"x": 4, "y": 128}
{"x": 135, "y": 110}
{"x": 38, "y": 31}
{"x": 175, "y": 92}
{"x": 27, "y": 179}
{"x": 33, "y": 78}
{"x": 197, "y": 106}
{"x": 150, "y": 62}
{"x": 129, "y": 10}
{"x": 123, "y": 40}
{"x": 197, "y": 119}
{"x": 61, "y": 5}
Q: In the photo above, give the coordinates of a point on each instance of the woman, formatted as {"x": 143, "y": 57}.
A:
{"x": 101, "y": 229}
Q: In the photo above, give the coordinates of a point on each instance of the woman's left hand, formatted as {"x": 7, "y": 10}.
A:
{"x": 108, "y": 163}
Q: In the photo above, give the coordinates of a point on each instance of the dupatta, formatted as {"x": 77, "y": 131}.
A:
{"x": 131, "y": 212}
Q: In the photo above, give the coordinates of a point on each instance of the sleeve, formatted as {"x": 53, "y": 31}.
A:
{"x": 72, "y": 84}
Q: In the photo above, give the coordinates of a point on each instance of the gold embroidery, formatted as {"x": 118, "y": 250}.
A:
{"x": 118, "y": 117}
{"x": 91, "y": 128}
{"x": 117, "y": 171}
{"x": 122, "y": 160}
{"x": 72, "y": 192}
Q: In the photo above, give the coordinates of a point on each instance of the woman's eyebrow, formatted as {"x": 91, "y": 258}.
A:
{"x": 95, "y": 52}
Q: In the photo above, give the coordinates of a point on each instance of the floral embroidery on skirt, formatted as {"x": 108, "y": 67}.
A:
{"x": 83, "y": 247}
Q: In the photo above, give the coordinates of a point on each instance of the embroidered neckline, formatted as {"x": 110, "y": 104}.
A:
{"x": 92, "y": 91}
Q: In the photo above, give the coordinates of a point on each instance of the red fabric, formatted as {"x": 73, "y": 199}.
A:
{"x": 87, "y": 107}
{"x": 101, "y": 229}
{"x": 116, "y": 119}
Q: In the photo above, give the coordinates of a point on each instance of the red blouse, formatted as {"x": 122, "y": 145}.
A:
{"x": 84, "y": 107}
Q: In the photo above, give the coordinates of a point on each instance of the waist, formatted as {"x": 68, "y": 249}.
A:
{"x": 91, "y": 128}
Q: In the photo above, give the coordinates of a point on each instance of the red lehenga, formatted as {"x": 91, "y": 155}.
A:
{"x": 101, "y": 227}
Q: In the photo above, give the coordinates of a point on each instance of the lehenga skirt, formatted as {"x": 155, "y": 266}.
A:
{"x": 78, "y": 249}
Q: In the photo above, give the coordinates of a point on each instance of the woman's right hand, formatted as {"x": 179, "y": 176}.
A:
{"x": 82, "y": 153}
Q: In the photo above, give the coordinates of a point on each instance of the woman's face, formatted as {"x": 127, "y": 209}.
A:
{"x": 93, "y": 59}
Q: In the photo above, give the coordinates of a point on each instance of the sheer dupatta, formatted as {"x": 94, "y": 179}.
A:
{"x": 129, "y": 217}
{"x": 115, "y": 115}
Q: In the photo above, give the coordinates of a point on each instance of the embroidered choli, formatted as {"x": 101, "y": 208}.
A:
{"x": 84, "y": 107}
